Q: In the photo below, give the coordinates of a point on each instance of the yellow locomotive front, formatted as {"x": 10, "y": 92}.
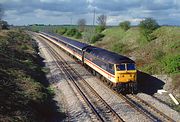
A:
{"x": 126, "y": 76}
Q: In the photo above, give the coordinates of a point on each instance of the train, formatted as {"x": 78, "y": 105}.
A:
{"x": 118, "y": 71}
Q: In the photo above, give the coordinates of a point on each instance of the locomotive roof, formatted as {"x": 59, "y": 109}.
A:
{"x": 108, "y": 56}
{"x": 74, "y": 43}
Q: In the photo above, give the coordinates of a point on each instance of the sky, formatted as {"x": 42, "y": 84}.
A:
{"x": 58, "y": 12}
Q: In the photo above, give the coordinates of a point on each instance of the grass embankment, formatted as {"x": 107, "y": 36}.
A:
{"x": 120, "y": 41}
{"x": 24, "y": 95}
{"x": 159, "y": 56}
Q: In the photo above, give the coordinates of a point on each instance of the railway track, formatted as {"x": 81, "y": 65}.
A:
{"x": 105, "y": 112}
{"x": 149, "y": 110}
{"x": 146, "y": 109}
{"x": 99, "y": 107}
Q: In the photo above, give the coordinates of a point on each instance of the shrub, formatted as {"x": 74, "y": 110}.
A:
{"x": 118, "y": 47}
{"x": 99, "y": 29}
{"x": 87, "y": 35}
{"x": 125, "y": 25}
{"x": 97, "y": 37}
{"x": 61, "y": 31}
{"x": 78, "y": 35}
{"x": 147, "y": 26}
{"x": 71, "y": 32}
{"x": 3, "y": 24}
{"x": 171, "y": 63}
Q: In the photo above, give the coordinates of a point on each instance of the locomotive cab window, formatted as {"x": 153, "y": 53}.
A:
{"x": 121, "y": 67}
{"x": 130, "y": 66}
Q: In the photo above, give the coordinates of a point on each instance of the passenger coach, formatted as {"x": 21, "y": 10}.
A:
{"x": 117, "y": 70}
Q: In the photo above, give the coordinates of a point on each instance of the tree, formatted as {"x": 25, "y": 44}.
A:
{"x": 125, "y": 25}
{"x": 101, "y": 20}
{"x": 3, "y": 24}
{"x": 1, "y": 12}
{"x": 147, "y": 26}
{"x": 81, "y": 23}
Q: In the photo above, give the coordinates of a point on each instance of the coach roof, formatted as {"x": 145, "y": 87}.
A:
{"x": 71, "y": 42}
{"x": 108, "y": 56}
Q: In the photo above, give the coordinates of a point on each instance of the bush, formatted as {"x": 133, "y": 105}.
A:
{"x": 118, "y": 47}
{"x": 97, "y": 37}
{"x": 99, "y": 29}
{"x": 78, "y": 35}
{"x": 125, "y": 25}
{"x": 87, "y": 35}
{"x": 147, "y": 26}
{"x": 71, "y": 32}
{"x": 3, "y": 24}
{"x": 147, "y": 35}
{"x": 171, "y": 64}
{"x": 61, "y": 31}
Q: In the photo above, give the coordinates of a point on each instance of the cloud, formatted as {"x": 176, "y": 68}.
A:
{"x": 60, "y": 11}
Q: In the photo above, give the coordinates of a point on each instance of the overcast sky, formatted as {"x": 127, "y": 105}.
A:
{"x": 23, "y": 12}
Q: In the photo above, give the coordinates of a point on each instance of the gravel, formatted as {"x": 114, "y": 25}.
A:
{"x": 66, "y": 96}
{"x": 160, "y": 106}
{"x": 119, "y": 105}
{"x": 72, "y": 102}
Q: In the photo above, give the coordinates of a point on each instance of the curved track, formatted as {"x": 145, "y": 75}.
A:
{"x": 99, "y": 107}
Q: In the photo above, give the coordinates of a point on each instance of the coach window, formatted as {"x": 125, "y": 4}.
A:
{"x": 111, "y": 68}
{"x": 103, "y": 65}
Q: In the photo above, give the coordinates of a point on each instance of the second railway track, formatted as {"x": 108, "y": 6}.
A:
{"x": 99, "y": 107}
{"x": 148, "y": 109}
{"x": 143, "y": 107}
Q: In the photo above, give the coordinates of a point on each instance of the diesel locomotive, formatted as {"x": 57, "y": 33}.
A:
{"x": 118, "y": 71}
